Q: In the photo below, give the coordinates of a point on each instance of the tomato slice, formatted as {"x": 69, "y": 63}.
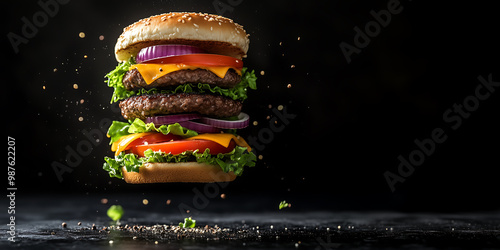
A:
{"x": 177, "y": 147}
{"x": 200, "y": 60}
{"x": 153, "y": 138}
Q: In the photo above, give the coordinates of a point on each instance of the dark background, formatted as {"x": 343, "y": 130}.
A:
{"x": 352, "y": 120}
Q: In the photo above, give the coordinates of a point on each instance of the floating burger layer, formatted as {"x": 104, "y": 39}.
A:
{"x": 180, "y": 83}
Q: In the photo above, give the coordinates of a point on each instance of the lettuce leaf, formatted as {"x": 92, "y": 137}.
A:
{"x": 188, "y": 223}
{"x": 239, "y": 92}
{"x": 139, "y": 126}
{"x": 119, "y": 129}
{"x": 115, "y": 78}
{"x": 234, "y": 161}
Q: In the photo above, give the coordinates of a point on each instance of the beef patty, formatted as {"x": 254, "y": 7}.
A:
{"x": 134, "y": 80}
{"x": 163, "y": 104}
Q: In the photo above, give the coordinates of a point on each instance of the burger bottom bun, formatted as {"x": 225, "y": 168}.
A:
{"x": 177, "y": 172}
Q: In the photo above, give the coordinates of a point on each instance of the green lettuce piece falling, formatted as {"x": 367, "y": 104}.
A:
{"x": 115, "y": 212}
{"x": 283, "y": 204}
{"x": 188, "y": 223}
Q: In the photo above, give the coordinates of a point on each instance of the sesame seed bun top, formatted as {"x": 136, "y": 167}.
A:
{"x": 212, "y": 33}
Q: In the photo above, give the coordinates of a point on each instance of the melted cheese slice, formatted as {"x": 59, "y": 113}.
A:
{"x": 151, "y": 72}
{"x": 124, "y": 141}
{"x": 223, "y": 139}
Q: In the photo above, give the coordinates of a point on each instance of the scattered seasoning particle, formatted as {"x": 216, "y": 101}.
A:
{"x": 85, "y": 56}
{"x": 110, "y": 242}
{"x": 223, "y": 196}
{"x": 101, "y": 37}
{"x": 79, "y": 223}
{"x": 52, "y": 233}
{"x": 104, "y": 201}
{"x": 289, "y": 85}
{"x": 262, "y": 72}
{"x": 169, "y": 201}
{"x": 55, "y": 69}
{"x": 64, "y": 225}
{"x": 43, "y": 87}
{"x": 281, "y": 43}
{"x": 145, "y": 201}
{"x": 82, "y": 101}
{"x": 270, "y": 106}
{"x": 81, "y": 35}
{"x": 280, "y": 107}
{"x": 298, "y": 38}
{"x": 261, "y": 157}
{"x": 80, "y": 119}
{"x": 75, "y": 86}
{"x": 292, "y": 66}
{"x": 255, "y": 123}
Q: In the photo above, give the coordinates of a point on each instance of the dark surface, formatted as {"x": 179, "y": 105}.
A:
{"x": 234, "y": 223}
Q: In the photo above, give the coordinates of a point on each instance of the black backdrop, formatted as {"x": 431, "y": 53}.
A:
{"x": 352, "y": 119}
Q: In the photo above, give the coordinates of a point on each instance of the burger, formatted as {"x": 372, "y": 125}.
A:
{"x": 180, "y": 84}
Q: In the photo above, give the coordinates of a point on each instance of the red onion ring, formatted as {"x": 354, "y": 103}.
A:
{"x": 169, "y": 119}
{"x": 242, "y": 122}
{"x": 160, "y": 51}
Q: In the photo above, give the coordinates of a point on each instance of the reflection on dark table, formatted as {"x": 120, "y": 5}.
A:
{"x": 242, "y": 221}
